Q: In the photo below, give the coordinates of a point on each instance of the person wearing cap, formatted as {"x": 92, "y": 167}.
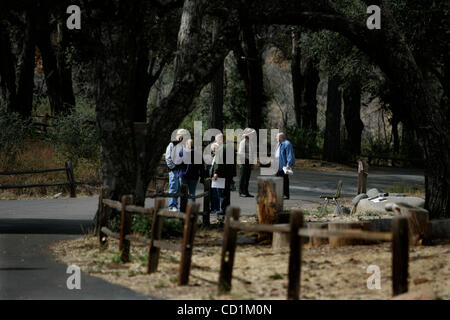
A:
{"x": 246, "y": 154}
{"x": 174, "y": 161}
{"x": 286, "y": 158}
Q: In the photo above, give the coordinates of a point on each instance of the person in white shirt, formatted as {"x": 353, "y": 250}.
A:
{"x": 247, "y": 156}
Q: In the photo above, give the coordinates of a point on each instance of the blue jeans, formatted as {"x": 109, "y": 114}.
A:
{"x": 174, "y": 187}
{"x": 192, "y": 185}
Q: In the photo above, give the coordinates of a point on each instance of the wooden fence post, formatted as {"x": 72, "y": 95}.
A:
{"x": 190, "y": 226}
{"x": 207, "y": 203}
{"x": 102, "y": 238}
{"x": 184, "y": 197}
{"x": 362, "y": 177}
{"x": 153, "y": 254}
{"x": 295, "y": 255}
{"x": 70, "y": 178}
{"x": 125, "y": 229}
{"x": 228, "y": 250}
{"x": 400, "y": 253}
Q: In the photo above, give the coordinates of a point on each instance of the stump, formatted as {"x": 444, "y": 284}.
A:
{"x": 418, "y": 221}
{"x": 336, "y": 241}
{"x": 314, "y": 241}
{"x": 269, "y": 202}
{"x": 280, "y": 239}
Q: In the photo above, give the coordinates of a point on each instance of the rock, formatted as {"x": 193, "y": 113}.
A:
{"x": 365, "y": 205}
{"x": 56, "y": 196}
{"x": 396, "y": 195}
{"x": 373, "y": 192}
{"x": 358, "y": 198}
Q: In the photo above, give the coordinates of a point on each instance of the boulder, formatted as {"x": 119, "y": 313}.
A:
{"x": 358, "y": 198}
{"x": 366, "y": 205}
{"x": 373, "y": 192}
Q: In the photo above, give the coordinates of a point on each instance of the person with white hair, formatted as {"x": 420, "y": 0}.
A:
{"x": 174, "y": 161}
{"x": 215, "y": 193}
{"x": 286, "y": 159}
{"x": 246, "y": 153}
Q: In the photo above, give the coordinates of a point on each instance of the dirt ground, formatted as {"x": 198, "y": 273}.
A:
{"x": 261, "y": 272}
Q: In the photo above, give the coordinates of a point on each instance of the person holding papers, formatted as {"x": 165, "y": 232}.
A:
{"x": 284, "y": 154}
{"x": 224, "y": 170}
{"x": 215, "y": 202}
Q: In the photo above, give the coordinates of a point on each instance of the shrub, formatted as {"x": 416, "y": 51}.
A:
{"x": 75, "y": 136}
{"x": 13, "y": 133}
{"x": 143, "y": 225}
{"x": 305, "y": 141}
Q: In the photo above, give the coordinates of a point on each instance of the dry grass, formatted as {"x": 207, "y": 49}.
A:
{"x": 259, "y": 271}
{"x": 39, "y": 155}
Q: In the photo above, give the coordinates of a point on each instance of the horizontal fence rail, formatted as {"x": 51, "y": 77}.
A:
{"x": 398, "y": 237}
{"x": 68, "y": 168}
{"x": 155, "y": 243}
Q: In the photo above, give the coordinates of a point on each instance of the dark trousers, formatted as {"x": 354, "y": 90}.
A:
{"x": 225, "y": 196}
{"x": 281, "y": 173}
{"x": 245, "y": 171}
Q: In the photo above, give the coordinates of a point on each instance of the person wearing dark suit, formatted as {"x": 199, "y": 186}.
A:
{"x": 224, "y": 169}
{"x": 286, "y": 158}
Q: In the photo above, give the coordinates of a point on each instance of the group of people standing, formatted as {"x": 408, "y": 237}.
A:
{"x": 183, "y": 169}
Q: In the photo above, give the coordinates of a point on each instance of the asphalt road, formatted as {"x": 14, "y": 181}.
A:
{"x": 27, "y": 227}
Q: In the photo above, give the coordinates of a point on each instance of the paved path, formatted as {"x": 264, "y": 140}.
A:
{"x": 27, "y": 227}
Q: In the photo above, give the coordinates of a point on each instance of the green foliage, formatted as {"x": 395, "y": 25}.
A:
{"x": 13, "y": 133}
{"x": 376, "y": 146}
{"x": 143, "y": 225}
{"x": 75, "y": 136}
{"x": 305, "y": 141}
{"x": 275, "y": 276}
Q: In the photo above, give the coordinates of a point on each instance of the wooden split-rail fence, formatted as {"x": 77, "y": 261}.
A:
{"x": 398, "y": 236}
{"x": 68, "y": 168}
{"x": 189, "y": 213}
{"x": 185, "y": 196}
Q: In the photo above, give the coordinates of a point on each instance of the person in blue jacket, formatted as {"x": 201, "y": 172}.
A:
{"x": 286, "y": 158}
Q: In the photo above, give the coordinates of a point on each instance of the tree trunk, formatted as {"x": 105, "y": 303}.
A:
{"x": 58, "y": 77}
{"x": 64, "y": 70}
{"x": 296, "y": 75}
{"x": 309, "y": 95}
{"x": 305, "y": 79}
{"x": 331, "y": 145}
{"x": 26, "y": 69}
{"x": 215, "y": 119}
{"x": 352, "y": 117}
{"x": 395, "y": 135}
{"x": 7, "y": 73}
{"x": 253, "y": 79}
